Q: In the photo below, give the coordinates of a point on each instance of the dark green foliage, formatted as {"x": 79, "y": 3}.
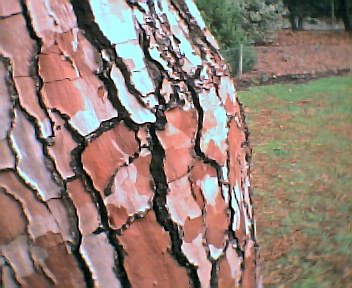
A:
{"x": 319, "y": 8}
{"x": 224, "y": 20}
{"x": 300, "y": 8}
{"x": 247, "y": 22}
{"x": 343, "y": 9}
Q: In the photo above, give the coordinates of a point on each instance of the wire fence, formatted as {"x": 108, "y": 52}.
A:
{"x": 241, "y": 59}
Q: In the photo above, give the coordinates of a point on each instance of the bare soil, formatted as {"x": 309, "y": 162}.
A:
{"x": 301, "y": 55}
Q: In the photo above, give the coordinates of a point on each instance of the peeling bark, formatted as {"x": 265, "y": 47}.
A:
{"x": 124, "y": 157}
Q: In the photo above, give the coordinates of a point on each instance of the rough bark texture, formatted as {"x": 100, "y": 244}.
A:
{"x": 123, "y": 151}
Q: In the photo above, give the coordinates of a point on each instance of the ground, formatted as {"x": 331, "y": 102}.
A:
{"x": 301, "y": 52}
{"x": 302, "y": 178}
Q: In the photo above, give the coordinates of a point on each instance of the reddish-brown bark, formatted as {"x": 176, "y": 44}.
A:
{"x": 123, "y": 150}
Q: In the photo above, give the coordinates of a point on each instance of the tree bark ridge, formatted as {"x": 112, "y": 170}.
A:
{"x": 124, "y": 153}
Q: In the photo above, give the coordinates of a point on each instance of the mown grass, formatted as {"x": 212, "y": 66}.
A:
{"x": 302, "y": 178}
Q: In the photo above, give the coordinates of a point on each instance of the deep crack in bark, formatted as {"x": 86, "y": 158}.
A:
{"x": 186, "y": 81}
{"x": 159, "y": 206}
{"x": 98, "y": 200}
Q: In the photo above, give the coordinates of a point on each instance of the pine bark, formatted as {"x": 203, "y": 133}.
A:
{"x": 124, "y": 158}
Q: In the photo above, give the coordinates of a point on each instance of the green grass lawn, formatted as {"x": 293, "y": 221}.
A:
{"x": 301, "y": 174}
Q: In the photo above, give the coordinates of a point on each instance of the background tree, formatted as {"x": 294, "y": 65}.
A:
{"x": 123, "y": 149}
{"x": 299, "y": 9}
{"x": 343, "y": 10}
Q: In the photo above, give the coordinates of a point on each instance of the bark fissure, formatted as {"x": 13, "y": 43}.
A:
{"x": 23, "y": 215}
{"x": 105, "y": 125}
{"x": 206, "y": 160}
{"x": 92, "y": 31}
{"x": 4, "y": 263}
{"x": 86, "y": 21}
{"x": 99, "y": 202}
{"x": 16, "y": 105}
{"x": 124, "y": 145}
{"x": 88, "y": 277}
{"x": 50, "y": 164}
{"x": 35, "y": 66}
{"x": 159, "y": 206}
{"x": 194, "y": 28}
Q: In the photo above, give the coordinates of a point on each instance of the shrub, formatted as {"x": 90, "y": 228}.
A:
{"x": 261, "y": 20}
{"x": 224, "y": 19}
{"x": 247, "y": 22}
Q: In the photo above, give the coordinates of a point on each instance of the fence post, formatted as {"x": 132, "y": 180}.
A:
{"x": 332, "y": 5}
{"x": 240, "y": 62}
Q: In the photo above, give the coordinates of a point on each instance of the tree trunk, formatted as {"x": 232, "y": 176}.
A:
{"x": 124, "y": 159}
{"x": 300, "y": 23}
{"x": 347, "y": 14}
{"x": 293, "y": 21}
